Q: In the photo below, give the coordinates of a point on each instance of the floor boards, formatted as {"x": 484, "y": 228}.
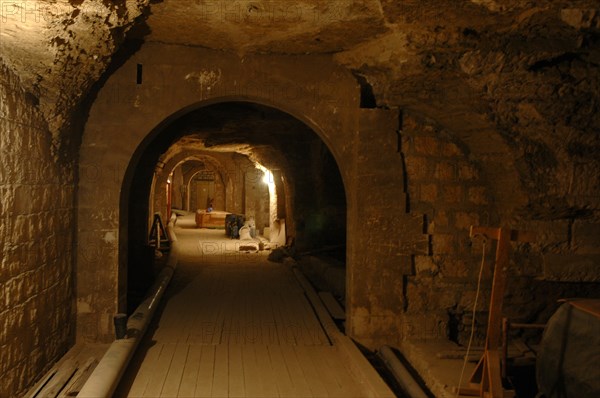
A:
{"x": 236, "y": 326}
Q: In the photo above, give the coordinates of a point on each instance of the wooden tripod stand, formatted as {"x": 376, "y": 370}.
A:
{"x": 486, "y": 380}
{"x": 158, "y": 233}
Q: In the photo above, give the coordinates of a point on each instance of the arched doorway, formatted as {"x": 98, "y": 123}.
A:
{"x": 314, "y": 90}
{"x": 239, "y": 135}
{"x": 183, "y": 168}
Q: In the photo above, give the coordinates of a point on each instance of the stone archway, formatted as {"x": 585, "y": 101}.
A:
{"x": 119, "y": 130}
{"x": 313, "y": 90}
{"x": 169, "y": 164}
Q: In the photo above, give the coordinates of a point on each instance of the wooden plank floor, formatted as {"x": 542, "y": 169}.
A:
{"x": 235, "y": 325}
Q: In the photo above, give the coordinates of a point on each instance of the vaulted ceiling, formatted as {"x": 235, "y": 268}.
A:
{"x": 514, "y": 77}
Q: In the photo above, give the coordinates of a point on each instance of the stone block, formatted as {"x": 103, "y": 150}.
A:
{"x": 428, "y": 193}
{"x": 23, "y": 199}
{"x": 378, "y": 130}
{"x": 572, "y": 267}
{"x": 443, "y": 244}
{"x": 478, "y": 195}
{"x": 449, "y": 149}
{"x": 382, "y": 190}
{"x": 445, "y": 172}
{"x": 440, "y": 218}
{"x": 426, "y": 145}
{"x": 454, "y": 268}
{"x": 374, "y": 330}
{"x": 379, "y": 226}
{"x": 553, "y": 233}
{"x": 467, "y": 299}
{"x": 463, "y": 220}
{"x": 418, "y": 244}
{"x": 424, "y": 326}
{"x": 416, "y": 295}
{"x": 586, "y": 237}
{"x": 452, "y": 193}
{"x": 425, "y": 265}
{"x": 20, "y": 230}
{"x": 417, "y": 168}
{"x": 584, "y": 182}
{"x": 581, "y": 18}
{"x": 467, "y": 172}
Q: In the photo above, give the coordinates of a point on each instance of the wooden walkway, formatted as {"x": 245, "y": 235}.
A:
{"x": 235, "y": 325}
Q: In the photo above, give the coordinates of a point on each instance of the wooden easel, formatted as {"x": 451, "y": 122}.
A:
{"x": 486, "y": 380}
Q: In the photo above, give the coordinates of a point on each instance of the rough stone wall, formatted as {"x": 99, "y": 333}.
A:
{"x": 446, "y": 184}
{"x": 256, "y": 198}
{"x": 524, "y": 77}
{"x": 36, "y": 242}
{"x": 450, "y": 190}
{"x": 382, "y": 236}
{"x": 278, "y": 161}
{"x": 543, "y": 93}
{"x": 177, "y": 182}
{"x": 60, "y": 48}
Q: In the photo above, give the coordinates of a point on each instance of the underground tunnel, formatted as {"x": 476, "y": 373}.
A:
{"x": 240, "y": 159}
{"x": 428, "y": 223}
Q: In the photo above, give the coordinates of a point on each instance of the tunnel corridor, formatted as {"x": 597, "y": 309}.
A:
{"x": 238, "y": 158}
{"x": 387, "y": 131}
{"x": 234, "y": 324}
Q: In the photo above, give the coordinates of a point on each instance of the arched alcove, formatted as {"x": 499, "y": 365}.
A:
{"x": 201, "y": 196}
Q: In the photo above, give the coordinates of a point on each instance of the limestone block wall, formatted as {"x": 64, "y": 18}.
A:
{"x": 383, "y": 236}
{"x": 452, "y": 192}
{"x": 447, "y": 184}
{"x": 37, "y": 322}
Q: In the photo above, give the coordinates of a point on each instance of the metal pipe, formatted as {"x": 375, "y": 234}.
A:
{"x": 405, "y": 380}
{"x": 105, "y": 378}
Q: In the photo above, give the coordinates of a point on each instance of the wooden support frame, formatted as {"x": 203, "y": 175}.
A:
{"x": 486, "y": 380}
{"x": 158, "y": 233}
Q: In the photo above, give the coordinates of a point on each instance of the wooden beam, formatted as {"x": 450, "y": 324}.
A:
{"x": 487, "y": 376}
